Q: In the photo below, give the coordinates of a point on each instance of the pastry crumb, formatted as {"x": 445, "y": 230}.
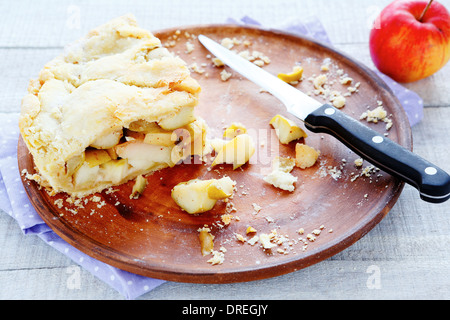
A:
{"x": 250, "y": 229}
{"x": 225, "y": 75}
{"x": 240, "y": 237}
{"x": 265, "y": 240}
{"x": 339, "y": 101}
{"x": 217, "y": 258}
{"x": 226, "y": 218}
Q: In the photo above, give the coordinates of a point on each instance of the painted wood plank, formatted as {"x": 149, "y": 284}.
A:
{"x": 55, "y": 23}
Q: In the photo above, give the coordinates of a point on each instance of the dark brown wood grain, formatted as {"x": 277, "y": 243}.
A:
{"x": 152, "y": 236}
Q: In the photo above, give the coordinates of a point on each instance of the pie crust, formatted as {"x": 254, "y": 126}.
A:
{"x": 114, "y": 105}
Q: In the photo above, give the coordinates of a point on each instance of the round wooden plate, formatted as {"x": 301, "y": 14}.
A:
{"x": 153, "y": 237}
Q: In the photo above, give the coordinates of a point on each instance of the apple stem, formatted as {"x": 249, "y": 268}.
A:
{"x": 425, "y": 11}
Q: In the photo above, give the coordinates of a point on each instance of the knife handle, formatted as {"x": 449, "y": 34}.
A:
{"x": 432, "y": 182}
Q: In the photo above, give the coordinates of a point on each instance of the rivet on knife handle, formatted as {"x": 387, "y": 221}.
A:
{"x": 432, "y": 182}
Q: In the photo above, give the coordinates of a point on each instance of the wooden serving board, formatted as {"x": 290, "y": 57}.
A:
{"x": 153, "y": 237}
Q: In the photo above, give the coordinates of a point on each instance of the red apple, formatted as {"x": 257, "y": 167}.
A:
{"x": 410, "y": 40}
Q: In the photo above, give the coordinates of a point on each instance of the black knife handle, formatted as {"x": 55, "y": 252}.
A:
{"x": 432, "y": 182}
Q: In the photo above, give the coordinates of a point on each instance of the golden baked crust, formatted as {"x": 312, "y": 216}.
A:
{"x": 116, "y": 76}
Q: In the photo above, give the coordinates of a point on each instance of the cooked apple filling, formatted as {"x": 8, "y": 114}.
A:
{"x": 113, "y": 106}
{"x": 124, "y": 154}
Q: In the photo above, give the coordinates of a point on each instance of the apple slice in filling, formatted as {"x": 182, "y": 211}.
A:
{"x": 141, "y": 148}
{"x": 108, "y": 141}
{"x": 115, "y": 171}
{"x": 142, "y": 156}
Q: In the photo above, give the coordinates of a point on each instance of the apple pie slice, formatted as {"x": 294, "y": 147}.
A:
{"x": 113, "y": 106}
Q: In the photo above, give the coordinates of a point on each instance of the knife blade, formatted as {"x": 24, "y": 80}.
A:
{"x": 432, "y": 182}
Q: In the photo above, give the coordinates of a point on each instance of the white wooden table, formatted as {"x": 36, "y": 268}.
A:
{"x": 408, "y": 253}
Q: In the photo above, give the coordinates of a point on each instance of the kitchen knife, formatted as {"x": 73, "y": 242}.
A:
{"x": 432, "y": 182}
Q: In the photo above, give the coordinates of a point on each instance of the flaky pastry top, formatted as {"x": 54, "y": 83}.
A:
{"x": 118, "y": 73}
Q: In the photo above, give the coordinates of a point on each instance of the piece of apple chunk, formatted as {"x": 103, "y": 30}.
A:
{"x": 206, "y": 240}
{"x": 85, "y": 175}
{"x": 74, "y": 163}
{"x": 217, "y": 144}
{"x": 293, "y": 77}
{"x": 192, "y": 137}
{"x": 108, "y": 141}
{"x": 178, "y": 120}
{"x": 198, "y": 196}
{"x": 96, "y": 157}
{"x": 112, "y": 153}
{"x": 280, "y": 177}
{"x": 305, "y": 156}
{"x": 139, "y": 186}
{"x": 151, "y": 133}
{"x": 143, "y": 126}
{"x": 143, "y": 156}
{"x": 234, "y": 130}
{"x": 134, "y": 135}
{"x": 115, "y": 170}
{"x": 221, "y": 189}
{"x": 197, "y": 131}
{"x": 286, "y": 129}
{"x": 237, "y": 151}
{"x": 160, "y": 139}
{"x": 190, "y": 141}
